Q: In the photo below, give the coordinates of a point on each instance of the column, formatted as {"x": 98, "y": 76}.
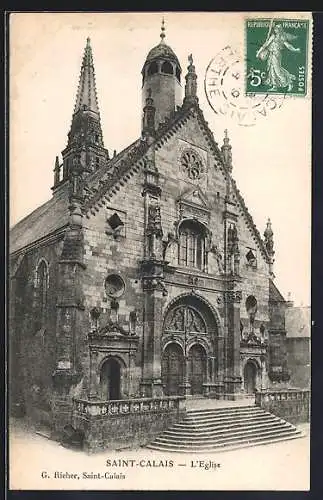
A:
{"x": 233, "y": 378}
{"x": 151, "y": 384}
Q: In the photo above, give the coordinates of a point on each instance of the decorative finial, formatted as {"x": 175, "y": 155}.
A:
{"x": 162, "y": 34}
{"x": 269, "y": 240}
{"x": 191, "y": 84}
{"x": 227, "y": 151}
{"x": 149, "y": 114}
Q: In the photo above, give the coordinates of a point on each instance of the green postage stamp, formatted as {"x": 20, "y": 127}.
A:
{"x": 276, "y": 56}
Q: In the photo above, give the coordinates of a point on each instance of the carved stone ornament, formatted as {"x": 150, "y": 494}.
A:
{"x": 192, "y": 164}
{"x": 110, "y": 328}
{"x": 114, "y": 286}
{"x": 154, "y": 221}
{"x": 233, "y": 296}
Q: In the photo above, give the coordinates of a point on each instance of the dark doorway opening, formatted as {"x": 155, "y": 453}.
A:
{"x": 110, "y": 378}
{"x": 250, "y": 374}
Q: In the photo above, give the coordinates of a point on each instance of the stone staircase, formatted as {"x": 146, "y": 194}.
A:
{"x": 221, "y": 429}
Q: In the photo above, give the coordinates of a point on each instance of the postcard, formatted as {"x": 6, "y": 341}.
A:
{"x": 160, "y": 211}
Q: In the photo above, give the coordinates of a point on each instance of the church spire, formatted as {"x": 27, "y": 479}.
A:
{"x": 85, "y": 135}
{"x": 86, "y": 97}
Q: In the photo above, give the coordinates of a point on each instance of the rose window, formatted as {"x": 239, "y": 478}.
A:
{"x": 192, "y": 164}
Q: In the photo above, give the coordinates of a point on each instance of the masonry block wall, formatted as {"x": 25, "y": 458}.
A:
{"x": 298, "y": 361}
{"x": 33, "y": 338}
{"x": 104, "y": 255}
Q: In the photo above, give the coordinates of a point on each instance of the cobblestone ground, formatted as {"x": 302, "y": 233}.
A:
{"x": 280, "y": 466}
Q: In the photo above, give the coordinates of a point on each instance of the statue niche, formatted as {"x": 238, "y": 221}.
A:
{"x": 154, "y": 233}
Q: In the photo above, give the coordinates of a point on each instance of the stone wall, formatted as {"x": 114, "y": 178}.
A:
{"x": 33, "y": 341}
{"x": 123, "y": 424}
{"x": 298, "y": 360}
{"x": 291, "y": 404}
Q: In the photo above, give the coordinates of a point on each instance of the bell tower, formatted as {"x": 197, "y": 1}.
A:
{"x": 161, "y": 80}
{"x": 85, "y": 136}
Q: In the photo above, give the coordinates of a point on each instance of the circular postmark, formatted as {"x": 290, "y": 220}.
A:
{"x": 224, "y": 86}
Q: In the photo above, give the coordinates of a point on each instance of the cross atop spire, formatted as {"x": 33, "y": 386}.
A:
{"x": 162, "y": 33}
{"x": 86, "y": 98}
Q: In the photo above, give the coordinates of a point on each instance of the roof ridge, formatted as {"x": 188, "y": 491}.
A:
{"x": 117, "y": 174}
{"x": 250, "y": 219}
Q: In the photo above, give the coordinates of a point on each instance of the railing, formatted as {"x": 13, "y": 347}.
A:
{"x": 266, "y": 396}
{"x": 291, "y": 404}
{"x": 128, "y": 406}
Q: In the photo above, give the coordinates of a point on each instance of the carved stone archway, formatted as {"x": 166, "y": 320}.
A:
{"x": 190, "y": 322}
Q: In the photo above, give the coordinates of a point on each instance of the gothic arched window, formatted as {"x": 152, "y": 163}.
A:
{"x": 191, "y": 245}
{"x": 41, "y": 289}
{"x": 167, "y": 68}
{"x": 153, "y": 68}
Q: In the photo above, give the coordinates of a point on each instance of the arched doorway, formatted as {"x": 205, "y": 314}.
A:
{"x": 110, "y": 378}
{"x": 172, "y": 369}
{"x": 250, "y": 376}
{"x": 190, "y": 320}
{"x": 197, "y": 368}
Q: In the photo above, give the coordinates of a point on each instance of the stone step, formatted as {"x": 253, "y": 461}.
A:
{"x": 223, "y": 436}
{"x": 224, "y": 418}
{"x": 224, "y": 448}
{"x": 204, "y": 446}
{"x": 228, "y": 413}
{"x": 211, "y": 423}
{"x": 232, "y": 409}
{"x": 216, "y": 432}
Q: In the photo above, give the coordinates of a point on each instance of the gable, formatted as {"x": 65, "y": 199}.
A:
{"x": 194, "y": 196}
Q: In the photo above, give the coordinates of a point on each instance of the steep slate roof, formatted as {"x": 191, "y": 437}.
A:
{"x": 274, "y": 293}
{"x": 101, "y": 184}
{"x": 46, "y": 219}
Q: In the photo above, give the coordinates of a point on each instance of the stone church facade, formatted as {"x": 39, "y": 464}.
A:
{"x": 144, "y": 275}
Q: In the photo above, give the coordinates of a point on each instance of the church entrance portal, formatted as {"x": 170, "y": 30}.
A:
{"x": 172, "y": 369}
{"x": 110, "y": 378}
{"x": 250, "y": 374}
{"x": 190, "y": 320}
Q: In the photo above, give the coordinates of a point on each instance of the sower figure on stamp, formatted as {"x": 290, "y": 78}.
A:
{"x": 277, "y": 76}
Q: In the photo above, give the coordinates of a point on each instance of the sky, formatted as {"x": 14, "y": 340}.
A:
{"x": 271, "y": 159}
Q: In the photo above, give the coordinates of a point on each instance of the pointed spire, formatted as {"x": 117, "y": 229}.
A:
{"x": 226, "y": 151}
{"x": 269, "y": 244}
{"x": 56, "y": 172}
{"x": 162, "y": 32}
{"x": 191, "y": 84}
{"x": 269, "y": 240}
{"x": 86, "y": 98}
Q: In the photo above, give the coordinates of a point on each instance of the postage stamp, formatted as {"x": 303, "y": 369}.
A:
{"x": 276, "y": 56}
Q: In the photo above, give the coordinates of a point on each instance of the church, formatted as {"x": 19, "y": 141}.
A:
{"x": 144, "y": 276}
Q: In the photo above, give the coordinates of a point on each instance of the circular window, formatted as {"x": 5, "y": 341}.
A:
{"x": 114, "y": 285}
{"x": 192, "y": 164}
